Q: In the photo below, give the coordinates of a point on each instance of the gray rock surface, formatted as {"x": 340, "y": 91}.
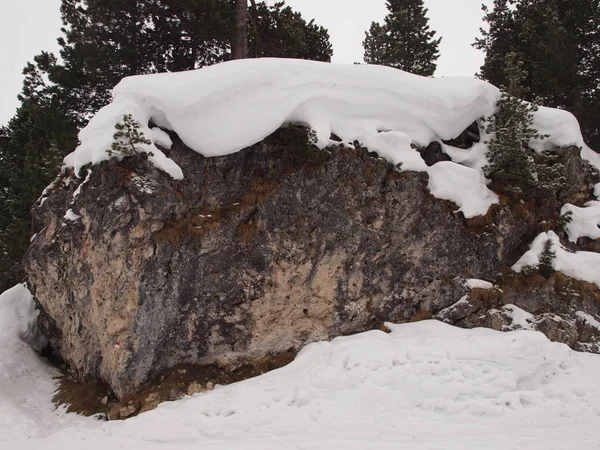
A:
{"x": 564, "y": 310}
{"x": 252, "y": 254}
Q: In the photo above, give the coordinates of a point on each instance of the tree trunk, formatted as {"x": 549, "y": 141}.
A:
{"x": 239, "y": 44}
{"x": 253, "y": 52}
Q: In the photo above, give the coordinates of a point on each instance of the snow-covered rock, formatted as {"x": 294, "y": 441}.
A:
{"x": 222, "y": 109}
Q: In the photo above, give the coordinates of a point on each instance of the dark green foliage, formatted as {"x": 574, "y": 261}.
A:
{"x": 498, "y": 41}
{"x": 279, "y": 31}
{"x": 565, "y": 219}
{"x": 548, "y": 175}
{"x": 514, "y": 167}
{"x": 559, "y": 44}
{"x": 190, "y": 34}
{"x": 404, "y": 41}
{"x": 127, "y": 138}
{"x": 547, "y": 258}
{"x": 511, "y": 163}
{"x": 32, "y": 147}
{"x": 528, "y": 270}
{"x": 106, "y": 40}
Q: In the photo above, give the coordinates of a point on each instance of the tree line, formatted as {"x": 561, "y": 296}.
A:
{"x": 554, "y": 43}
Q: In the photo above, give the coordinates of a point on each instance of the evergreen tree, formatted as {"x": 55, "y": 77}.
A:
{"x": 279, "y": 31}
{"x": 106, "y": 40}
{"x": 510, "y": 162}
{"x": 127, "y": 138}
{"x": 497, "y": 41}
{"x": 191, "y": 34}
{"x": 547, "y": 257}
{"x": 559, "y": 44}
{"x": 404, "y": 41}
{"x": 32, "y": 147}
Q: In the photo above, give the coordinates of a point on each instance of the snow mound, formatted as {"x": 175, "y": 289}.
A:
{"x": 18, "y": 316}
{"x": 584, "y": 266}
{"x": 520, "y": 319}
{"x": 221, "y": 109}
{"x": 26, "y": 383}
{"x": 462, "y": 185}
{"x": 424, "y": 385}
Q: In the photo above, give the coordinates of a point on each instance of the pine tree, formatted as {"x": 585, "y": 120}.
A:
{"x": 127, "y": 138}
{"x": 497, "y": 41}
{"x": 191, "y": 34}
{"x": 279, "y": 31}
{"x": 510, "y": 162}
{"x": 404, "y": 41}
{"x": 514, "y": 167}
{"x": 559, "y": 44}
{"x": 105, "y": 41}
{"x": 32, "y": 147}
{"x": 547, "y": 257}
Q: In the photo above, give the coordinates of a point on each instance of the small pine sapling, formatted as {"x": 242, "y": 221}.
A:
{"x": 127, "y": 138}
{"x": 546, "y": 266}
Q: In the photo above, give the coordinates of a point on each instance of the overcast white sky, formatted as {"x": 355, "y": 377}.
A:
{"x": 29, "y": 26}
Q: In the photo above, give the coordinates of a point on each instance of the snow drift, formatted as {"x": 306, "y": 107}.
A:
{"x": 222, "y": 109}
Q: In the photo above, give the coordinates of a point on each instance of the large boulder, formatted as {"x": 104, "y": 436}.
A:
{"x": 251, "y": 255}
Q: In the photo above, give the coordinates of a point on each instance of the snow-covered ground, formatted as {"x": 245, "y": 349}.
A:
{"x": 425, "y": 385}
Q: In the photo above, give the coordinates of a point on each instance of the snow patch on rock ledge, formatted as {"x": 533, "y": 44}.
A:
{"x": 222, "y": 109}
{"x": 585, "y": 221}
{"x": 71, "y": 216}
{"x": 462, "y": 185}
{"x": 584, "y": 266}
{"x": 474, "y": 283}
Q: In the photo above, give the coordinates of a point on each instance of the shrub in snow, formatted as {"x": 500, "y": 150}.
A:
{"x": 127, "y": 138}
{"x": 512, "y": 164}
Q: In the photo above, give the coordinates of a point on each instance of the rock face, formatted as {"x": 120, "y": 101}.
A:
{"x": 250, "y": 255}
{"x": 565, "y": 310}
